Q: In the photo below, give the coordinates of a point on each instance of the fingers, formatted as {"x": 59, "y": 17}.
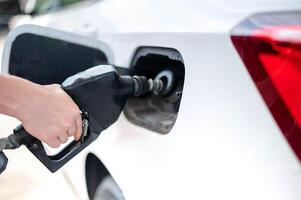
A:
{"x": 63, "y": 138}
{"x": 75, "y": 130}
{"x": 71, "y": 130}
{"x": 79, "y": 127}
{"x": 54, "y": 143}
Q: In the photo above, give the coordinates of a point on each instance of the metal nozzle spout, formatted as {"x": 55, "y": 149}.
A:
{"x": 142, "y": 86}
{"x": 161, "y": 85}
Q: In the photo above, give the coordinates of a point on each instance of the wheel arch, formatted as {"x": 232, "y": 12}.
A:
{"x": 95, "y": 172}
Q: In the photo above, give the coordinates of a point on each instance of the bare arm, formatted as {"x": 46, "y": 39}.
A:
{"x": 46, "y": 112}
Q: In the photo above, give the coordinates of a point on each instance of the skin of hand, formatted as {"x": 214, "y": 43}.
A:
{"x": 46, "y": 112}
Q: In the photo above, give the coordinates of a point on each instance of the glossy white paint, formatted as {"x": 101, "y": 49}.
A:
{"x": 225, "y": 144}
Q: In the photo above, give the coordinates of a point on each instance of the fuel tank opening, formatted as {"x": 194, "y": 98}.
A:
{"x": 157, "y": 111}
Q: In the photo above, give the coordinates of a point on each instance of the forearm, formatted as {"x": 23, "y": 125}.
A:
{"x": 15, "y": 94}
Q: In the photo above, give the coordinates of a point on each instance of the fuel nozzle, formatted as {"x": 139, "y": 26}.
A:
{"x": 160, "y": 85}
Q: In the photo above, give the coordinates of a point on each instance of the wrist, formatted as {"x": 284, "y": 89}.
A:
{"x": 25, "y": 104}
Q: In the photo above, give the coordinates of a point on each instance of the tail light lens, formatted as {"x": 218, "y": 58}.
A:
{"x": 270, "y": 47}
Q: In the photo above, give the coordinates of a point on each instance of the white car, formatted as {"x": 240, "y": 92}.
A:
{"x": 230, "y": 128}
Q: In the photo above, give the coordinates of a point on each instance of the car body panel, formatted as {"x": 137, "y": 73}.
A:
{"x": 225, "y": 143}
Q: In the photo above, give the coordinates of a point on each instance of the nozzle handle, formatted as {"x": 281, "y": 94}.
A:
{"x": 53, "y": 162}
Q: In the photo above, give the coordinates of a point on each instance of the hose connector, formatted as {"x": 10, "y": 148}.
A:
{"x": 161, "y": 85}
{"x": 142, "y": 86}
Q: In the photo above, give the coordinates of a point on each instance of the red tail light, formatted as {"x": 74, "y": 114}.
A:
{"x": 270, "y": 47}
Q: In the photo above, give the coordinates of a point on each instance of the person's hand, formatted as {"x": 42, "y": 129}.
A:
{"x": 46, "y": 112}
{"x": 50, "y": 115}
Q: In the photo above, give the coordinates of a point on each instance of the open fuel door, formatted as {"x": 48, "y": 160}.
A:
{"x": 47, "y": 56}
